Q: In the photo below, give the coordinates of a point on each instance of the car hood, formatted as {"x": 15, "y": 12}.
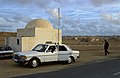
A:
{"x": 30, "y": 53}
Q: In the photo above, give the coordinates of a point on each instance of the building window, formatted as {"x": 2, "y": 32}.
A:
{"x": 17, "y": 41}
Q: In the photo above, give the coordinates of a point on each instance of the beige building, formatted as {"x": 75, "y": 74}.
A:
{"x": 37, "y": 31}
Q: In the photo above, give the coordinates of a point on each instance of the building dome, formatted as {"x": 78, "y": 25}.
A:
{"x": 41, "y": 23}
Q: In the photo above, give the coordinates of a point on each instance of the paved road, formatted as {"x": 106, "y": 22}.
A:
{"x": 106, "y": 69}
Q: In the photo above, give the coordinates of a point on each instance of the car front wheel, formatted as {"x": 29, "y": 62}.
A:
{"x": 34, "y": 63}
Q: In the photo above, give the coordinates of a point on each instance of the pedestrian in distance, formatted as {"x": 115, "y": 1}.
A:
{"x": 106, "y": 45}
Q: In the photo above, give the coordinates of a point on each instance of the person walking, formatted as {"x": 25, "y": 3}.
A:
{"x": 106, "y": 45}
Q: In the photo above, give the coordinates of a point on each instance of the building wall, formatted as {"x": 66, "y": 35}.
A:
{"x": 26, "y": 32}
{"x": 44, "y": 35}
{"x": 13, "y": 42}
{"x": 2, "y": 41}
{"x": 28, "y": 43}
{"x": 4, "y": 35}
{"x": 41, "y": 36}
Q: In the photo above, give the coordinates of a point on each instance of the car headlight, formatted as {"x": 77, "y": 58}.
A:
{"x": 23, "y": 57}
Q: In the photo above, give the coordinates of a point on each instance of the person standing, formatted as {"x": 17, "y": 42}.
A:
{"x": 106, "y": 45}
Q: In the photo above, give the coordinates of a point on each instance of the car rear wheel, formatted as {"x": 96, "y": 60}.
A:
{"x": 70, "y": 60}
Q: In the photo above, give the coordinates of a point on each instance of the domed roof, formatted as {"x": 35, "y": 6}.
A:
{"x": 41, "y": 23}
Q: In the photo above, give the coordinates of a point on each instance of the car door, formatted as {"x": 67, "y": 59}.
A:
{"x": 51, "y": 54}
{"x": 63, "y": 53}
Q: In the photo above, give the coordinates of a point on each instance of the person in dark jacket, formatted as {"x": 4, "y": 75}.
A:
{"x": 106, "y": 45}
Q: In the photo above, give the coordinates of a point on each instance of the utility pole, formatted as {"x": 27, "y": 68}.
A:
{"x": 58, "y": 23}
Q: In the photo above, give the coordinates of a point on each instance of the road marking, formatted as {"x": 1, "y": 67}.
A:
{"x": 116, "y": 73}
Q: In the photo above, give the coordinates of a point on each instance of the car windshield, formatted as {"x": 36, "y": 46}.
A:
{"x": 40, "y": 48}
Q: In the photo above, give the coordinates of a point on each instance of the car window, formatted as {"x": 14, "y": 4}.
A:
{"x": 51, "y": 49}
{"x": 62, "y": 48}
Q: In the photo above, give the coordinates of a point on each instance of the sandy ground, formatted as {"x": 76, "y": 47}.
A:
{"x": 88, "y": 53}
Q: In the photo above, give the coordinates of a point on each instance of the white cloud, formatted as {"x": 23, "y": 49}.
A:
{"x": 72, "y": 26}
{"x": 79, "y": 17}
{"x": 54, "y": 12}
{"x": 22, "y": 18}
{"x": 103, "y": 2}
{"x": 112, "y": 18}
{"x": 8, "y": 24}
{"x": 107, "y": 16}
{"x": 25, "y": 3}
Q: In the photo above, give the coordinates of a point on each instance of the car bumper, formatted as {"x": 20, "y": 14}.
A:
{"x": 20, "y": 61}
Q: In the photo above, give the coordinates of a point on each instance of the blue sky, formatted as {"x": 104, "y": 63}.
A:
{"x": 78, "y": 17}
